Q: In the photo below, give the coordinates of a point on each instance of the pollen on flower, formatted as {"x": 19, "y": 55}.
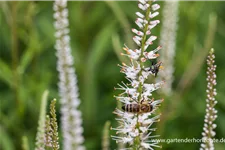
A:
{"x": 125, "y": 48}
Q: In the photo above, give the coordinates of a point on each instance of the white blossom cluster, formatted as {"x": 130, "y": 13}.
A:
{"x": 135, "y": 128}
{"x": 211, "y": 113}
{"x": 168, "y": 42}
{"x": 71, "y": 117}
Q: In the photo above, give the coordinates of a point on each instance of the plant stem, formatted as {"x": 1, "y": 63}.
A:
{"x": 14, "y": 55}
{"x": 140, "y": 86}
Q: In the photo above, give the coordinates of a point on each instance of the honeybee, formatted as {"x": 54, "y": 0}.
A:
{"x": 143, "y": 107}
{"x": 155, "y": 68}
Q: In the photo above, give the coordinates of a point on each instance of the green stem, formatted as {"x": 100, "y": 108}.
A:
{"x": 140, "y": 86}
{"x": 14, "y": 53}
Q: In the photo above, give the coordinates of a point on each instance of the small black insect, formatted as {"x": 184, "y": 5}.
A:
{"x": 155, "y": 67}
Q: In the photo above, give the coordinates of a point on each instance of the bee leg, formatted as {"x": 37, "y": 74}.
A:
{"x": 135, "y": 100}
{"x": 152, "y": 100}
{"x": 142, "y": 101}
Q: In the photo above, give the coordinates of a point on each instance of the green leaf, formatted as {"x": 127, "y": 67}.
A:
{"x": 99, "y": 48}
{"x": 117, "y": 46}
{"x": 34, "y": 46}
{"x": 121, "y": 17}
{"x": 25, "y": 145}
{"x": 5, "y": 140}
{"x": 6, "y": 73}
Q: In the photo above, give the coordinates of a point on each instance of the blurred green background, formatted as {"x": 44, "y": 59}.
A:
{"x": 98, "y": 32}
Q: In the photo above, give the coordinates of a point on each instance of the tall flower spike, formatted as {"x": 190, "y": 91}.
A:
{"x": 168, "y": 42}
{"x": 139, "y": 106}
{"x": 211, "y": 113}
{"x": 72, "y": 129}
{"x": 51, "y": 128}
{"x": 40, "y": 137}
{"x": 53, "y": 123}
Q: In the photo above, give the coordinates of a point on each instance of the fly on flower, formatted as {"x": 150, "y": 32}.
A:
{"x": 155, "y": 68}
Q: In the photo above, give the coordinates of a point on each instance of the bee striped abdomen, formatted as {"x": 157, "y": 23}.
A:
{"x": 131, "y": 108}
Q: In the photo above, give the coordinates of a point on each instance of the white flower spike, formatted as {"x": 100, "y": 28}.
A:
{"x": 72, "y": 129}
{"x": 138, "y": 111}
{"x": 211, "y": 113}
{"x": 168, "y": 41}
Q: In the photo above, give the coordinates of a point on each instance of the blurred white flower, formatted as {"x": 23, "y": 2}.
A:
{"x": 71, "y": 117}
{"x": 168, "y": 42}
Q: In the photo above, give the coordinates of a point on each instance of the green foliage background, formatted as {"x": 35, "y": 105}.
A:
{"x": 98, "y": 31}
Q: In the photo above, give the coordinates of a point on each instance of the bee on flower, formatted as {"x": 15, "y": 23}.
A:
{"x": 143, "y": 107}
